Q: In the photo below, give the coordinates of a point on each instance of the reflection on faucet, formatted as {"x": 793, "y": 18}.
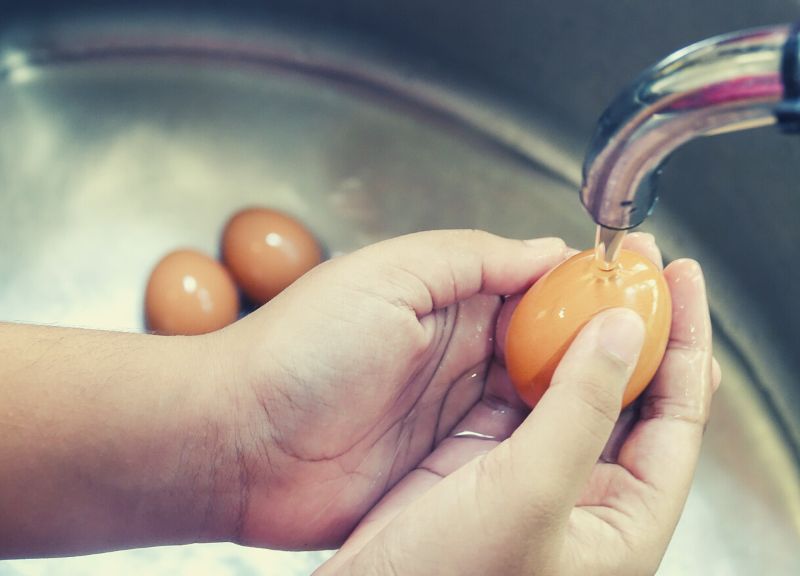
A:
{"x": 724, "y": 84}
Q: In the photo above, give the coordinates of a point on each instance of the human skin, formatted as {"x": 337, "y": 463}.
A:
{"x": 336, "y": 405}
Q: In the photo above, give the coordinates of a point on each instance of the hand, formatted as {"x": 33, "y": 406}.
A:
{"x": 568, "y": 492}
{"x": 345, "y": 382}
{"x": 283, "y": 429}
{"x": 377, "y": 373}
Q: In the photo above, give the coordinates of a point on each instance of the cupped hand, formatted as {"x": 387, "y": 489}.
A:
{"x": 345, "y": 383}
{"x": 575, "y": 489}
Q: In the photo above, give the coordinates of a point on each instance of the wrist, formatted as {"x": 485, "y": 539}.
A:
{"x": 249, "y": 464}
{"x": 204, "y": 449}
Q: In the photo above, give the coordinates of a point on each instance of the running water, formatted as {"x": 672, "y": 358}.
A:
{"x": 607, "y": 244}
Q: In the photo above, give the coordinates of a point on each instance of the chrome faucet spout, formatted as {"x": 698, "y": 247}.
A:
{"x": 727, "y": 83}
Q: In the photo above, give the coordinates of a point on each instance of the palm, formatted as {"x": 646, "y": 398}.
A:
{"x": 391, "y": 398}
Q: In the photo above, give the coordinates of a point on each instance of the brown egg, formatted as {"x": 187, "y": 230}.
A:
{"x": 190, "y": 293}
{"x": 555, "y": 309}
{"x": 266, "y": 251}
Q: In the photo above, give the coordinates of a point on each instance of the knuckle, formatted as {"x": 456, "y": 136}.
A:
{"x": 477, "y": 235}
{"x": 595, "y": 397}
{"x": 693, "y": 411}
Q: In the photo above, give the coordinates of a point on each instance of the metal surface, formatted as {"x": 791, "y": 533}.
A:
{"x": 106, "y": 162}
{"x": 724, "y": 84}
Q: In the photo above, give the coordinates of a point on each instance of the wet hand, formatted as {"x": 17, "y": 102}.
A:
{"x": 344, "y": 384}
{"x": 575, "y": 489}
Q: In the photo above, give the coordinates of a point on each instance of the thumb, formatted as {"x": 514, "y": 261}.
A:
{"x": 566, "y": 432}
{"x": 431, "y": 270}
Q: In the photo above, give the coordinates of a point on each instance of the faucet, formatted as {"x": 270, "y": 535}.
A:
{"x": 727, "y": 83}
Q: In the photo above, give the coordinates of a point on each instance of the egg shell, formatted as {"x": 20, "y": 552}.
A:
{"x": 190, "y": 293}
{"x": 556, "y": 307}
{"x": 266, "y": 251}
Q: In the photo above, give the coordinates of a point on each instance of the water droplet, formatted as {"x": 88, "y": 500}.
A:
{"x": 472, "y": 434}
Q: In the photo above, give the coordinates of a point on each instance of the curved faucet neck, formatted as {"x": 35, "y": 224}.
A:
{"x": 723, "y": 84}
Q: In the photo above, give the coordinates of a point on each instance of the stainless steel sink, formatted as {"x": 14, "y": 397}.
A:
{"x": 125, "y": 136}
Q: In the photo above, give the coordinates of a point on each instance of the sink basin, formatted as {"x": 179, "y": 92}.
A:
{"x": 123, "y": 138}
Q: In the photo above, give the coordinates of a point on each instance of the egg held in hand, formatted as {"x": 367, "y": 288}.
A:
{"x": 555, "y": 309}
{"x": 190, "y": 293}
{"x": 266, "y": 251}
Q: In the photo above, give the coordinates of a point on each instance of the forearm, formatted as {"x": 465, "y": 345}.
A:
{"x": 109, "y": 440}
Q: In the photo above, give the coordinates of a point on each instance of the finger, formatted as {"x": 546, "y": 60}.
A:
{"x": 644, "y": 244}
{"x": 573, "y": 421}
{"x": 430, "y": 270}
{"x": 501, "y": 328}
{"x": 663, "y": 448}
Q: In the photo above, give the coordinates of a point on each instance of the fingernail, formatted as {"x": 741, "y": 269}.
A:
{"x": 622, "y": 335}
{"x": 549, "y": 244}
{"x": 716, "y": 374}
{"x": 645, "y": 236}
{"x": 691, "y": 267}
